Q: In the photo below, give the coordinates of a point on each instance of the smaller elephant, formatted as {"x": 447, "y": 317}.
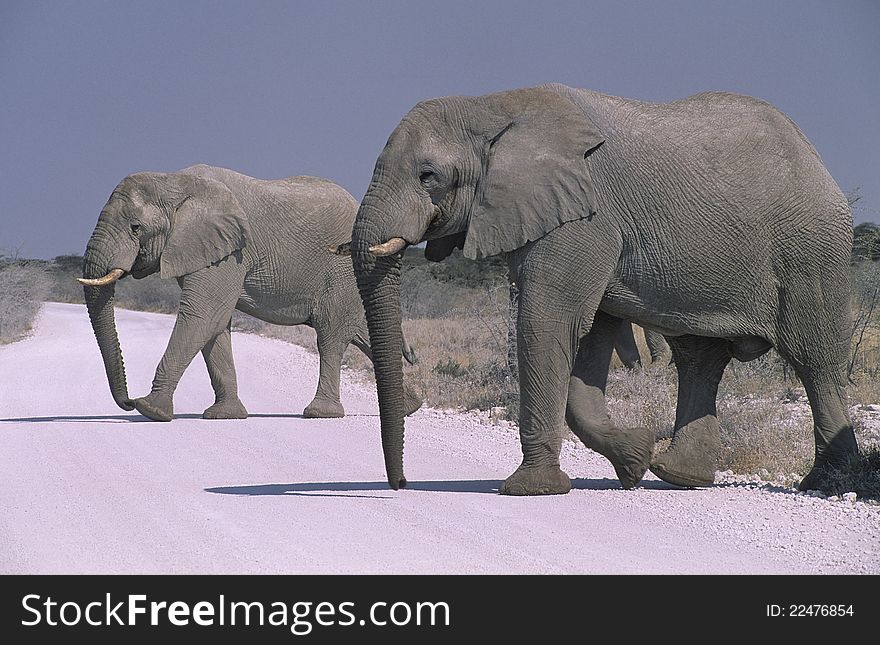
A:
{"x": 232, "y": 242}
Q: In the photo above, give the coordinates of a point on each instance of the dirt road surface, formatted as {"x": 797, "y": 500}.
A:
{"x": 88, "y": 488}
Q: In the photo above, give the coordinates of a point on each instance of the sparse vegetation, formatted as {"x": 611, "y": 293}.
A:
{"x": 860, "y": 476}
{"x": 24, "y": 284}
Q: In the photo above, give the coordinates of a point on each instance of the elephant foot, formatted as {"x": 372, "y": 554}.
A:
{"x": 158, "y": 407}
{"x": 817, "y": 479}
{"x": 692, "y": 455}
{"x": 411, "y": 401}
{"x": 543, "y": 480}
{"x": 324, "y": 409}
{"x": 822, "y": 476}
{"x": 630, "y": 454}
{"x": 229, "y": 409}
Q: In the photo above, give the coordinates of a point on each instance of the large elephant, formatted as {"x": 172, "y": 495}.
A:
{"x": 232, "y": 242}
{"x": 710, "y": 219}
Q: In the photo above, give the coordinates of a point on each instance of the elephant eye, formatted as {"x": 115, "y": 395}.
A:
{"x": 432, "y": 179}
{"x": 135, "y": 228}
{"x": 435, "y": 182}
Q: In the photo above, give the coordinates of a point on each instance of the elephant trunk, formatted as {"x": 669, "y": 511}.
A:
{"x": 99, "y": 302}
{"x": 378, "y": 279}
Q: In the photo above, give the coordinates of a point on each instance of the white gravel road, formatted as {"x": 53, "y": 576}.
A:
{"x": 88, "y": 488}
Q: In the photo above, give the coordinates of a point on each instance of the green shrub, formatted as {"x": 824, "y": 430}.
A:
{"x": 450, "y": 368}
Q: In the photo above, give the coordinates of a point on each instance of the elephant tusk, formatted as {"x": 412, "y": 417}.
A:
{"x": 110, "y": 278}
{"x": 342, "y": 249}
{"x": 392, "y": 246}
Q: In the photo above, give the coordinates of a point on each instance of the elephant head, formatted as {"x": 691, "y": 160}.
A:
{"x": 489, "y": 174}
{"x": 171, "y": 223}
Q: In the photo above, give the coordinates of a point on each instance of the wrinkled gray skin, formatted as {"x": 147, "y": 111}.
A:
{"x": 232, "y": 242}
{"x": 710, "y": 220}
{"x": 628, "y": 351}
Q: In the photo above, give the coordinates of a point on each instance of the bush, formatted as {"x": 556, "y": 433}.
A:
{"x": 454, "y": 286}
{"x": 461, "y": 362}
{"x": 865, "y": 352}
{"x": 450, "y": 368}
{"x": 24, "y": 285}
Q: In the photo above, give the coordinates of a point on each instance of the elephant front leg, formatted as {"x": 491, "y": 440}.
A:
{"x": 207, "y": 299}
{"x": 836, "y": 445}
{"x": 628, "y": 449}
{"x": 691, "y": 458}
{"x": 560, "y": 288}
{"x": 185, "y": 342}
{"x": 545, "y": 360}
{"x": 158, "y": 405}
{"x": 221, "y": 368}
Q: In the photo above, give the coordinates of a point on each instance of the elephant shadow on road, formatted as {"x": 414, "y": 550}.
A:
{"x": 337, "y": 489}
{"x": 137, "y": 418}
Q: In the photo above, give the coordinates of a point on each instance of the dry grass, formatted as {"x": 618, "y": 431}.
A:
{"x": 458, "y": 362}
{"x": 861, "y": 476}
{"x": 643, "y": 398}
{"x": 864, "y": 389}
{"x": 23, "y": 286}
{"x": 461, "y": 362}
{"x": 766, "y": 422}
{"x": 148, "y": 294}
{"x": 765, "y": 434}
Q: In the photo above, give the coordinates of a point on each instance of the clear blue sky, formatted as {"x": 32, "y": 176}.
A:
{"x": 91, "y": 91}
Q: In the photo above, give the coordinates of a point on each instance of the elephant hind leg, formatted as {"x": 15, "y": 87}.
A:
{"x": 332, "y": 341}
{"x": 814, "y": 337}
{"x": 692, "y": 456}
{"x": 221, "y": 368}
{"x": 835, "y": 441}
{"x": 628, "y": 449}
{"x": 833, "y": 432}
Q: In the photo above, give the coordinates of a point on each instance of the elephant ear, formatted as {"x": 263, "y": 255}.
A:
{"x": 439, "y": 249}
{"x": 207, "y": 225}
{"x": 535, "y": 173}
